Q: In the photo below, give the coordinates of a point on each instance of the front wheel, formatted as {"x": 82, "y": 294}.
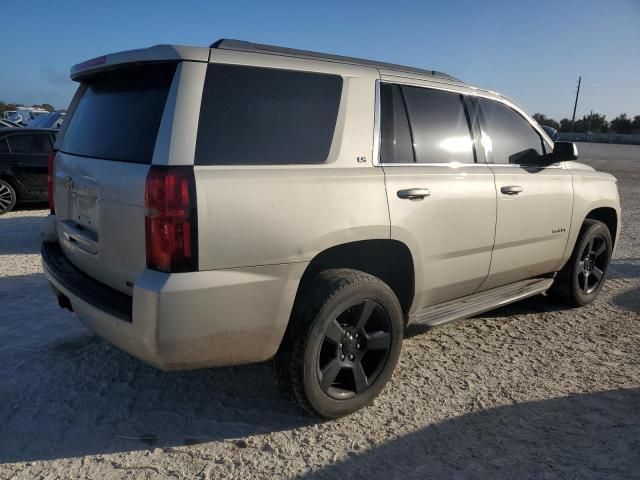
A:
{"x": 582, "y": 278}
{"x": 342, "y": 344}
{"x": 8, "y": 197}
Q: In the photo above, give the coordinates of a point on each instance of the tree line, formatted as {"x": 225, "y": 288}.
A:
{"x": 594, "y": 122}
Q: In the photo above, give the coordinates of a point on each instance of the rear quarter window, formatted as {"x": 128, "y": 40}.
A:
{"x": 258, "y": 116}
{"x": 116, "y": 114}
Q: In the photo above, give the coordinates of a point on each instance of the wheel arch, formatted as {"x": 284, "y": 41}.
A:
{"x": 609, "y": 217}
{"x": 390, "y": 260}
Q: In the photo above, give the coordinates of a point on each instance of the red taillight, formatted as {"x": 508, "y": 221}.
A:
{"x": 171, "y": 219}
{"x": 50, "y": 174}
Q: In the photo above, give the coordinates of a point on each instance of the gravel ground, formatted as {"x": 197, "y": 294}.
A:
{"x": 533, "y": 390}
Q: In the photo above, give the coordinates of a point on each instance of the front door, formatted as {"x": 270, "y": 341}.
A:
{"x": 535, "y": 200}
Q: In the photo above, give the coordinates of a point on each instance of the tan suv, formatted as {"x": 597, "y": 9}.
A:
{"x": 240, "y": 203}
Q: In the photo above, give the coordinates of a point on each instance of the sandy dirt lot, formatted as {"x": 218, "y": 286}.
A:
{"x": 533, "y": 390}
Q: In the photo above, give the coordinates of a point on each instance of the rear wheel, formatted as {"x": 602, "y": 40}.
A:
{"x": 342, "y": 344}
{"x": 582, "y": 278}
{"x": 8, "y": 197}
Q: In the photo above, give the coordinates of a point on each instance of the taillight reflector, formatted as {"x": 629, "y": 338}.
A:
{"x": 171, "y": 219}
{"x": 50, "y": 174}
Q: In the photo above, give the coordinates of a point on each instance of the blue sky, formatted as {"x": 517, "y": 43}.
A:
{"x": 533, "y": 51}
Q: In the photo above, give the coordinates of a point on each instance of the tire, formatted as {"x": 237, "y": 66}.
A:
{"x": 581, "y": 279}
{"x": 8, "y": 197}
{"x": 342, "y": 343}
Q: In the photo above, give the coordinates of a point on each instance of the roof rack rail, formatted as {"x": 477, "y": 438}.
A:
{"x": 243, "y": 46}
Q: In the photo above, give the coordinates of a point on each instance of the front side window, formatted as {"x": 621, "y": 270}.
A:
{"x": 259, "y": 116}
{"x": 395, "y": 136}
{"x": 441, "y": 132}
{"x": 506, "y": 136}
{"x": 36, "y": 143}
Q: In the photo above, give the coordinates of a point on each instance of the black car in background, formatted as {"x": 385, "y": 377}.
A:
{"x": 23, "y": 165}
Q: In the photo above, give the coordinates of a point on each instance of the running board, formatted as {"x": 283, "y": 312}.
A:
{"x": 480, "y": 302}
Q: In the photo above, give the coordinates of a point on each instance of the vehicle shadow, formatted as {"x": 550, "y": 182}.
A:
{"x": 625, "y": 268}
{"x": 31, "y": 206}
{"x": 66, "y": 393}
{"x": 594, "y": 435}
{"x": 20, "y": 235}
{"x": 628, "y": 300}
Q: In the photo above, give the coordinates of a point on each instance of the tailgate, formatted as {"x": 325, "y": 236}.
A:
{"x": 100, "y": 217}
{"x": 100, "y": 170}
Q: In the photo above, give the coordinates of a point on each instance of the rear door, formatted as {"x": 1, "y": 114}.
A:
{"x": 27, "y": 158}
{"x": 106, "y": 147}
{"x": 535, "y": 200}
{"x": 442, "y": 202}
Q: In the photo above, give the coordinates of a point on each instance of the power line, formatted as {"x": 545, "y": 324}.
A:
{"x": 575, "y": 105}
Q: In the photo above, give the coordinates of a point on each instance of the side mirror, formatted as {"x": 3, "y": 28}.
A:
{"x": 565, "y": 151}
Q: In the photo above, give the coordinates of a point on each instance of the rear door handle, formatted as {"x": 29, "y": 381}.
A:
{"x": 414, "y": 193}
{"x": 511, "y": 190}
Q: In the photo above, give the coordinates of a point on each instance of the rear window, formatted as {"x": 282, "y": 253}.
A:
{"x": 441, "y": 132}
{"x": 258, "y": 116}
{"x": 116, "y": 114}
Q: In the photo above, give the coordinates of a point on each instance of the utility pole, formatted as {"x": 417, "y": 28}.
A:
{"x": 575, "y": 105}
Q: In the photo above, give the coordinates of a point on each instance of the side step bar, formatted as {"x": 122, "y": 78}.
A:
{"x": 479, "y": 302}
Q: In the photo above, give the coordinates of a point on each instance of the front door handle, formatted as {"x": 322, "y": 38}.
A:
{"x": 414, "y": 193}
{"x": 511, "y": 190}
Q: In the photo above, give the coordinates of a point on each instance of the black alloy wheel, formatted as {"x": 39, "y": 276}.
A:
{"x": 581, "y": 279}
{"x": 593, "y": 263}
{"x": 342, "y": 342}
{"x": 354, "y": 350}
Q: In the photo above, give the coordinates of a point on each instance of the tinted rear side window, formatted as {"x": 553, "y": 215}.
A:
{"x": 260, "y": 116}
{"x": 506, "y": 136}
{"x": 4, "y": 147}
{"x": 440, "y": 127}
{"x": 35, "y": 143}
{"x": 395, "y": 136}
{"x": 118, "y": 113}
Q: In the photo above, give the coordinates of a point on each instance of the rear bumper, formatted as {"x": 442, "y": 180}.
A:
{"x": 186, "y": 320}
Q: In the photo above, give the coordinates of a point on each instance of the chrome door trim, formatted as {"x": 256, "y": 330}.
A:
{"x": 376, "y": 128}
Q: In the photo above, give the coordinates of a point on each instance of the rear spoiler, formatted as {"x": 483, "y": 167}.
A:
{"x": 157, "y": 53}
